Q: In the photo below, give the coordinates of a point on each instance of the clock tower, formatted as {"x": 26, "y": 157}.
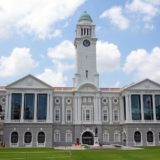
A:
{"x": 85, "y": 44}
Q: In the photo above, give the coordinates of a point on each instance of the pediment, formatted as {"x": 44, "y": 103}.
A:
{"x": 88, "y": 87}
{"x": 146, "y": 84}
{"x": 27, "y": 82}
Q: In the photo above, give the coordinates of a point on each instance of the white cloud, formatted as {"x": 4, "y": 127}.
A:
{"x": 108, "y": 57}
{"x": 148, "y": 9}
{"x": 116, "y": 17}
{"x": 63, "y": 58}
{"x": 38, "y": 17}
{"x": 19, "y": 62}
{"x": 64, "y": 50}
{"x": 144, "y": 64}
{"x": 54, "y": 78}
{"x": 149, "y": 26}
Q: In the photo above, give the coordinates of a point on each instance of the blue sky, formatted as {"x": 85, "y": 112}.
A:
{"x": 36, "y": 37}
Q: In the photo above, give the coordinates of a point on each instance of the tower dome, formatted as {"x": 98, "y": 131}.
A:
{"x": 85, "y": 17}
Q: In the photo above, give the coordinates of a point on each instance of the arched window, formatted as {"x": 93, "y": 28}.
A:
{"x": 14, "y": 137}
{"x": 105, "y": 136}
{"x": 27, "y": 137}
{"x": 68, "y": 136}
{"x": 149, "y": 136}
{"x": 57, "y": 136}
{"x": 137, "y": 137}
{"x": 117, "y": 136}
{"x": 41, "y": 137}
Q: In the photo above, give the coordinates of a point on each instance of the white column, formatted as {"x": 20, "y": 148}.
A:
{"x": 79, "y": 110}
{"x": 51, "y": 107}
{"x": 48, "y": 108}
{"x": 130, "y": 108}
{"x": 99, "y": 109}
{"x": 154, "y": 107}
{"x": 8, "y": 108}
{"x": 110, "y": 110}
{"x": 142, "y": 110}
{"x": 22, "y": 108}
{"x": 121, "y": 110}
{"x": 63, "y": 111}
{"x": 127, "y": 108}
{"x": 74, "y": 112}
{"x": 95, "y": 110}
{"x": 35, "y": 108}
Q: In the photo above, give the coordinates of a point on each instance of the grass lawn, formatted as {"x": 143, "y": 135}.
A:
{"x": 149, "y": 153}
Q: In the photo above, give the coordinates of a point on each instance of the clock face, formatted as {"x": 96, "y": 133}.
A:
{"x": 86, "y": 43}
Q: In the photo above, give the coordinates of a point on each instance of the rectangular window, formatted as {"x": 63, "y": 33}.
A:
{"x": 136, "y": 107}
{"x": 57, "y": 137}
{"x": 68, "y": 137}
{"x": 87, "y": 115}
{"x": 148, "y": 107}
{"x": 105, "y": 137}
{"x": 16, "y": 105}
{"x": 57, "y": 115}
{"x": 124, "y": 103}
{"x": 105, "y": 116}
{"x": 29, "y": 106}
{"x": 115, "y": 115}
{"x": 41, "y": 106}
{"x": 68, "y": 115}
{"x": 117, "y": 137}
{"x": 157, "y": 105}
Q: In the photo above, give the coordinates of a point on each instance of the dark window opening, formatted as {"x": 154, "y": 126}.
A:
{"x": 41, "y": 137}
{"x": 137, "y": 137}
{"x": 14, "y": 137}
{"x": 149, "y": 136}
{"x": 27, "y": 137}
{"x": 86, "y": 73}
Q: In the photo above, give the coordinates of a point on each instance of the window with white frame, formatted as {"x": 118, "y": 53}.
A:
{"x": 105, "y": 136}
{"x": 86, "y": 113}
{"x": 68, "y": 136}
{"x": 57, "y": 137}
{"x": 105, "y": 114}
{"x": 117, "y": 136}
{"x": 68, "y": 115}
{"x": 57, "y": 114}
{"x": 115, "y": 115}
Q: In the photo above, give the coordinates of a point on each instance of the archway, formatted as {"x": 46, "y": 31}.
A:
{"x": 87, "y": 138}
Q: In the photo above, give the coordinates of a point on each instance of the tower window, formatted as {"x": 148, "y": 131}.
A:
{"x": 84, "y": 31}
{"x": 86, "y": 73}
{"x": 81, "y": 31}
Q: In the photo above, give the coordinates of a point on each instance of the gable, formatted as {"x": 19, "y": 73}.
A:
{"x": 27, "y": 82}
{"x": 146, "y": 84}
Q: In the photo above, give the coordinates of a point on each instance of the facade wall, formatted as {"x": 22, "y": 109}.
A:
{"x": 130, "y": 130}
{"x": 34, "y": 128}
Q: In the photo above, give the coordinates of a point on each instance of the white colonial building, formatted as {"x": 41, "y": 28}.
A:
{"x": 37, "y": 114}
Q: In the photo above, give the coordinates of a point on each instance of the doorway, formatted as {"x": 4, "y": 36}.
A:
{"x": 87, "y": 138}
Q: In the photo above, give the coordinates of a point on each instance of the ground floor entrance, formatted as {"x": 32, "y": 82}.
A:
{"x": 87, "y": 138}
